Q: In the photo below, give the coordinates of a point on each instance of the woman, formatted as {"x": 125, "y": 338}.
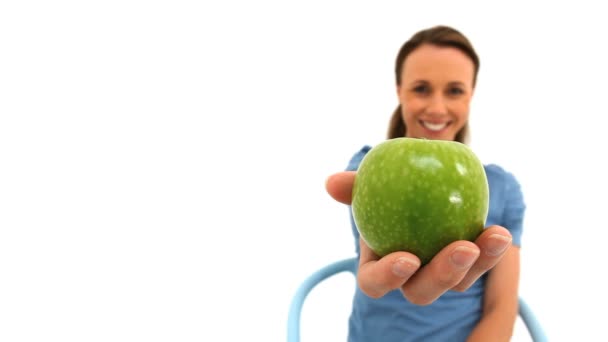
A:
{"x": 469, "y": 290}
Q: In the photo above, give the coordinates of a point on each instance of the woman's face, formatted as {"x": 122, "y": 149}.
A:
{"x": 435, "y": 92}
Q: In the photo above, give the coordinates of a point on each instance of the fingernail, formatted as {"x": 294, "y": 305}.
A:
{"x": 497, "y": 244}
{"x": 463, "y": 257}
{"x": 405, "y": 267}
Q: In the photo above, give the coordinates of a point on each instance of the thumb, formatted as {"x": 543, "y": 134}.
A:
{"x": 340, "y": 186}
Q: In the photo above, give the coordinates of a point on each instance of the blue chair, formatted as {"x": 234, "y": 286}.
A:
{"x": 350, "y": 265}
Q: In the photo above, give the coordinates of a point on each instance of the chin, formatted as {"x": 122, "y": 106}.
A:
{"x": 426, "y": 134}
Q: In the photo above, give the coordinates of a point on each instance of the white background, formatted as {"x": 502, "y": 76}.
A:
{"x": 162, "y": 163}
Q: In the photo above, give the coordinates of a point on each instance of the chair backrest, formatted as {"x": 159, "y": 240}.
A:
{"x": 350, "y": 265}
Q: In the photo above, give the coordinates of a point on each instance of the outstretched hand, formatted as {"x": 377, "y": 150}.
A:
{"x": 455, "y": 267}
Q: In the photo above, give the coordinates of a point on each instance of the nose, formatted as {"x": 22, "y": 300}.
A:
{"x": 437, "y": 105}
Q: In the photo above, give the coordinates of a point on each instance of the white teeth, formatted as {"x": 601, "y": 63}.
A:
{"x": 434, "y": 126}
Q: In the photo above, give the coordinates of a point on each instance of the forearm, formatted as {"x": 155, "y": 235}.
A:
{"x": 495, "y": 326}
{"x": 500, "y": 306}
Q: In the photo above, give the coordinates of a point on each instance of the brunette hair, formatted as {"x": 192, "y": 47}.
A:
{"x": 443, "y": 36}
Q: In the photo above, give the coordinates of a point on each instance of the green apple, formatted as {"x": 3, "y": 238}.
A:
{"x": 419, "y": 195}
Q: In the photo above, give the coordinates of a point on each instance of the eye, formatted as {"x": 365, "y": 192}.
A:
{"x": 421, "y": 89}
{"x": 455, "y": 91}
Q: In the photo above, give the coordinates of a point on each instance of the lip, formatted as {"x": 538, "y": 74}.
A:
{"x": 434, "y": 132}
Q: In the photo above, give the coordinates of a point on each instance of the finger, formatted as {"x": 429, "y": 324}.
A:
{"x": 377, "y": 276}
{"x": 443, "y": 272}
{"x": 493, "y": 243}
{"x": 340, "y": 186}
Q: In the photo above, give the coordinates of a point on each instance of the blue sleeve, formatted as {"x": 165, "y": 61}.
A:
{"x": 356, "y": 159}
{"x": 353, "y": 165}
{"x": 514, "y": 208}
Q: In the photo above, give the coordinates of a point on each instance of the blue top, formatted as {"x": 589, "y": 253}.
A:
{"x": 453, "y": 316}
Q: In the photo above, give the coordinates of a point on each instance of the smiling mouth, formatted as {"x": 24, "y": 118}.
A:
{"x": 435, "y": 127}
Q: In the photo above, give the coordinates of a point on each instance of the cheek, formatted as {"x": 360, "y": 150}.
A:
{"x": 461, "y": 109}
{"x": 410, "y": 107}
{"x": 408, "y": 115}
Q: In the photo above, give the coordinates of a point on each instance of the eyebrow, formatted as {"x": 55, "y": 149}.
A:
{"x": 451, "y": 83}
{"x": 456, "y": 83}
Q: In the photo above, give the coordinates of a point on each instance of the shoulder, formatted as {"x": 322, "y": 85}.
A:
{"x": 498, "y": 174}
{"x": 356, "y": 159}
{"x": 505, "y": 189}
